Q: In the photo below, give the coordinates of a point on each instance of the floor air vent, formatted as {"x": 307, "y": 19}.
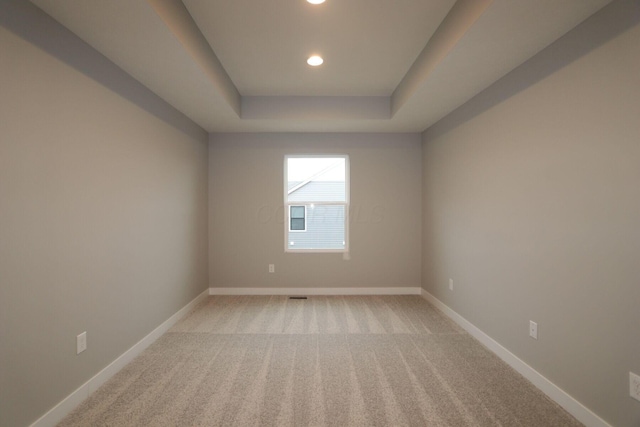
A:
{"x": 297, "y": 297}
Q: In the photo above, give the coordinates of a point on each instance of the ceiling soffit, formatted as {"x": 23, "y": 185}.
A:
{"x": 454, "y": 25}
{"x": 171, "y": 47}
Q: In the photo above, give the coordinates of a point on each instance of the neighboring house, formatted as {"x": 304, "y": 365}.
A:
{"x": 313, "y": 225}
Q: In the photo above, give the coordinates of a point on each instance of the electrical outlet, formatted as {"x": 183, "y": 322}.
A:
{"x": 634, "y": 385}
{"x": 81, "y": 342}
{"x": 450, "y": 284}
{"x": 533, "y": 329}
{"x": 272, "y": 268}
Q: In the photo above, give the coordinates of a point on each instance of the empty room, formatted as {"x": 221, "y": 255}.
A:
{"x": 320, "y": 213}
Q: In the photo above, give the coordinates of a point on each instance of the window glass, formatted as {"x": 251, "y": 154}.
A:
{"x": 297, "y": 218}
{"x": 317, "y": 201}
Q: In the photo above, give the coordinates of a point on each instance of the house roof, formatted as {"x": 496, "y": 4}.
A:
{"x": 293, "y": 186}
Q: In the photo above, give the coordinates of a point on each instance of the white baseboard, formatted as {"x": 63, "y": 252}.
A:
{"x": 316, "y": 291}
{"x": 562, "y": 398}
{"x": 68, "y": 404}
{"x": 575, "y": 408}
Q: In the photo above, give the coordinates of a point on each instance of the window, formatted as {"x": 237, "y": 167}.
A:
{"x": 297, "y": 215}
{"x": 316, "y": 198}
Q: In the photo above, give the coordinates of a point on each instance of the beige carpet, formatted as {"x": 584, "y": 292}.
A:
{"x": 324, "y": 361}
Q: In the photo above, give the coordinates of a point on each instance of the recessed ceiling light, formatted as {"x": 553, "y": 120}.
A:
{"x": 315, "y": 60}
{"x": 315, "y": 1}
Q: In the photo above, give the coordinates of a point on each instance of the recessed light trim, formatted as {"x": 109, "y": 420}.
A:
{"x": 315, "y": 60}
{"x": 315, "y": 1}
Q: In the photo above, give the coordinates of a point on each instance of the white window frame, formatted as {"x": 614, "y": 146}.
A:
{"x": 287, "y": 204}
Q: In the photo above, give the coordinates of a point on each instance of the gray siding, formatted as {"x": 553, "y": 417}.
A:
{"x": 325, "y": 229}
{"x": 324, "y": 223}
{"x": 318, "y": 191}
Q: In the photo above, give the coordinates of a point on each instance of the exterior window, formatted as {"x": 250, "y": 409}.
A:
{"x": 297, "y": 215}
{"x": 316, "y": 198}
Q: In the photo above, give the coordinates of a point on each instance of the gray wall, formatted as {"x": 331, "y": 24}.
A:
{"x": 247, "y": 220}
{"x": 103, "y": 220}
{"x": 531, "y": 204}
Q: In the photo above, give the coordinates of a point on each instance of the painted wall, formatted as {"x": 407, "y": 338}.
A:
{"x": 246, "y": 221}
{"x": 531, "y": 204}
{"x": 103, "y": 217}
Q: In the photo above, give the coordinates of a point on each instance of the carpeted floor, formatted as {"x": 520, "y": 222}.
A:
{"x": 324, "y": 361}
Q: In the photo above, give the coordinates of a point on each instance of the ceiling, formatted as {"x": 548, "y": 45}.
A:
{"x": 390, "y": 66}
